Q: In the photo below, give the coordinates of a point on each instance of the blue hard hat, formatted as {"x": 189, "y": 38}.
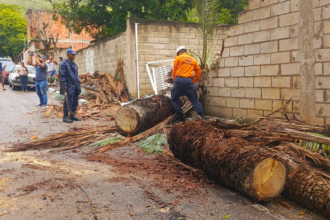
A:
{"x": 70, "y": 51}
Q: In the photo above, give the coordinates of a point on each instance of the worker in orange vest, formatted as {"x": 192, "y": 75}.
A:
{"x": 184, "y": 82}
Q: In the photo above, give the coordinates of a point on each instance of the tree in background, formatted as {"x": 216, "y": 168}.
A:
{"x": 12, "y": 30}
{"x": 40, "y": 22}
{"x": 107, "y": 18}
{"x": 229, "y": 11}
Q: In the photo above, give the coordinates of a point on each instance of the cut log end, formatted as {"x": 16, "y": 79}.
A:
{"x": 269, "y": 179}
{"x": 127, "y": 120}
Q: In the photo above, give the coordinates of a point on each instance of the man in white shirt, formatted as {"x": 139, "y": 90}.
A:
{"x": 51, "y": 70}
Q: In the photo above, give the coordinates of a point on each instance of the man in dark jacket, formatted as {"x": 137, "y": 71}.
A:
{"x": 70, "y": 83}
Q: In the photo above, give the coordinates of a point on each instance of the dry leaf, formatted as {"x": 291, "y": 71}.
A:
{"x": 131, "y": 214}
{"x": 303, "y": 212}
{"x": 33, "y": 137}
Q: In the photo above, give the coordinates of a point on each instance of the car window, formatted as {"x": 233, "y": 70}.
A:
{"x": 9, "y": 68}
{"x": 15, "y": 70}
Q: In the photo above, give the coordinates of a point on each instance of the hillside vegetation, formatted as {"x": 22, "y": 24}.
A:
{"x": 29, "y": 4}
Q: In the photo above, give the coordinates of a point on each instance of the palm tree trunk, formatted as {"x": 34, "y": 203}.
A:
{"x": 143, "y": 114}
{"x": 233, "y": 162}
{"x": 309, "y": 189}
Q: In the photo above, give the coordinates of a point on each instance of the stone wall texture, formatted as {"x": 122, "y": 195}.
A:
{"x": 279, "y": 49}
{"x": 158, "y": 40}
{"x": 102, "y": 56}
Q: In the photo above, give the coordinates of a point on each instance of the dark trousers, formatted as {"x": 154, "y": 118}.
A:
{"x": 73, "y": 100}
{"x": 185, "y": 87}
{"x": 23, "y": 80}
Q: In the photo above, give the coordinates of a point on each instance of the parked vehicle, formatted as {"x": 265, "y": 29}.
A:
{"x": 6, "y": 61}
{"x": 14, "y": 80}
{"x": 6, "y": 71}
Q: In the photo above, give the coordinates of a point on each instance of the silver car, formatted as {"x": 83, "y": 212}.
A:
{"x": 14, "y": 80}
{"x": 6, "y": 61}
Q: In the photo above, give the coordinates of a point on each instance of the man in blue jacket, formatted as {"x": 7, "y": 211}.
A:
{"x": 70, "y": 83}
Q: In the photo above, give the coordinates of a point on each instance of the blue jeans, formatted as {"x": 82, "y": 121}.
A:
{"x": 41, "y": 89}
{"x": 23, "y": 80}
{"x": 185, "y": 87}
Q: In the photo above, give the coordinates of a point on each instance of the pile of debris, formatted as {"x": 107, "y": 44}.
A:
{"x": 104, "y": 88}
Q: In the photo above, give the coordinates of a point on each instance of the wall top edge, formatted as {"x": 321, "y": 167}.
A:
{"x": 142, "y": 21}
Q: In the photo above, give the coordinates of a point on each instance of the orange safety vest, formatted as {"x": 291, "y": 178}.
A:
{"x": 184, "y": 66}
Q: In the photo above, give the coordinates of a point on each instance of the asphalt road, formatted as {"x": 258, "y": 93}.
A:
{"x": 121, "y": 184}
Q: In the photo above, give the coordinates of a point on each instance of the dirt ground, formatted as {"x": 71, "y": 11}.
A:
{"x": 121, "y": 184}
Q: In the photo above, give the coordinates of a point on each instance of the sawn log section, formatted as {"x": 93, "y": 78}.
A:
{"x": 143, "y": 114}
{"x": 234, "y": 162}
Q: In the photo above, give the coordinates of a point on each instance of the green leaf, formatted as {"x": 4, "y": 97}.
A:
{"x": 107, "y": 141}
{"x": 153, "y": 144}
{"x": 226, "y": 217}
{"x": 59, "y": 97}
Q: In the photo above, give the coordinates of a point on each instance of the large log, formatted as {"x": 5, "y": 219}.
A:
{"x": 308, "y": 181}
{"x": 309, "y": 189}
{"x": 143, "y": 114}
{"x": 234, "y": 162}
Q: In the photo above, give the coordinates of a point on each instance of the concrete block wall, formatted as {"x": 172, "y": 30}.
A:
{"x": 279, "y": 49}
{"x": 158, "y": 40}
{"x": 102, "y": 56}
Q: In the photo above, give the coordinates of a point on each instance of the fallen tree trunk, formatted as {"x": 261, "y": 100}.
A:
{"x": 234, "y": 162}
{"x": 143, "y": 114}
{"x": 308, "y": 181}
{"x": 309, "y": 189}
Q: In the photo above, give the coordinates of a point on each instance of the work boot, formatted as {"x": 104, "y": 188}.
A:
{"x": 182, "y": 119}
{"x": 203, "y": 117}
{"x": 74, "y": 118}
{"x": 66, "y": 118}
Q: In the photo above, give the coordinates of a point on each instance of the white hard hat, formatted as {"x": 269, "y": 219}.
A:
{"x": 180, "y": 48}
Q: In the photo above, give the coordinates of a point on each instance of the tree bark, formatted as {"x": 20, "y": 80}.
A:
{"x": 309, "y": 189}
{"x": 143, "y": 114}
{"x": 234, "y": 162}
{"x": 308, "y": 182}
